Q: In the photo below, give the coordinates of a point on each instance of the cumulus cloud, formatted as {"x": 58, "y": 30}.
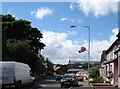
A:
{"x": 59, "y": 49}
{"x": 41, "y": 12}
{"x": 98, "y": 7}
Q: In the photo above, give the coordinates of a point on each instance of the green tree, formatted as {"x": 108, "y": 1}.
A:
{"x": 21, "y": 30}
{"x": 19, "y": 51}
{"x": 21, "y": 42}
{"x": 49, "y": 67}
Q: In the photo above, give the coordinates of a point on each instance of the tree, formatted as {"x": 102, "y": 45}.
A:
{"x": 18, "y": 50}
{"x": 21, "y": 42}
{"x": 22, "y": 30}
{"x": 49, "y": 67}
{"x": 94, "y": 74}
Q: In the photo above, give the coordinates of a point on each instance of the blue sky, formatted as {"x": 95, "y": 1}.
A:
{"x": 54, "y": 19}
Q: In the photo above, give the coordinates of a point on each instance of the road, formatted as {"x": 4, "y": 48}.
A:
{"x": 56, "y": 85}
{"x": 50, "y": 84}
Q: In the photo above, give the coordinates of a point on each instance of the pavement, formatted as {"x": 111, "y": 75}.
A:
{"x": 102, "y": 85}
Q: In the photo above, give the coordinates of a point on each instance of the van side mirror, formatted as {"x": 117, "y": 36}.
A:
{"x": 31, "y": 73}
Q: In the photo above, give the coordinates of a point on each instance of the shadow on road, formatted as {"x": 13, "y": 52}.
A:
{"x": 35, "y": 86}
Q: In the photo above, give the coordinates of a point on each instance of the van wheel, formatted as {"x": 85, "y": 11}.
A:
{"x": 18, "y": 84}
{"x": 33, "y": 82}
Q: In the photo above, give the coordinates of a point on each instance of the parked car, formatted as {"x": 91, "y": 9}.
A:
{"x": 68, "y": 80}
{"x": 80, "y": 78}
{"x": 15, "y": 73}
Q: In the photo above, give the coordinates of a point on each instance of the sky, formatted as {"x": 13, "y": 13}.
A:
{"x": 54, "y": 19}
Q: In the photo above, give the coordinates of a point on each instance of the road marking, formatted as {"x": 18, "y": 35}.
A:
{"x": 50, "y": 85}
{"x": 43, "y": 85}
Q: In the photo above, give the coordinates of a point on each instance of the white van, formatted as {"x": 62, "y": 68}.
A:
{"x": 15, "y": 73}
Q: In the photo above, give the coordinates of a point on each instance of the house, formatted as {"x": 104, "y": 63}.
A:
{"x": 110, "y": 65}
{"x": 117, "y": 52}
{"x": 60, "y": 69}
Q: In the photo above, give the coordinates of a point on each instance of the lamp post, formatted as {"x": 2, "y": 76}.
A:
{"x": 88, "y": 51}
{"x": 88, "y": 27}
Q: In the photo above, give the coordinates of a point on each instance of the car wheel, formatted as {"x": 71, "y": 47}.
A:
{"x": 77, "y": 84}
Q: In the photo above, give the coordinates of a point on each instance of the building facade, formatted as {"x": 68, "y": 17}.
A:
{"x": 110, "y": 63}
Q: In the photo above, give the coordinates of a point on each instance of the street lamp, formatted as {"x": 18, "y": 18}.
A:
{"x": 88, "y": 51}
{"x": 88, "y": 27}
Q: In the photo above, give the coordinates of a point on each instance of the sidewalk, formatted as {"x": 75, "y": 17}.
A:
{"x": 102, "y": 85}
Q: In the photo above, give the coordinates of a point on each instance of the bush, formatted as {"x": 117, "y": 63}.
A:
{"x": 96, "y": 80}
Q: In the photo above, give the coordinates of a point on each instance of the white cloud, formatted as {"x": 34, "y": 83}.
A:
{"x": 78, "y": 20}
{"x": 113, "y": 37}
{"x": 59, "y": 49}
{"x": 9, "y": 12}
{"x": 71, "y": 7}
{"x": 32, "y": 12}
{"x": 72, "y": 20}
{"x": 72, "y": 33}
{"x": 98, "y": 7}
{"x": 63, "y": 19}
{"x": 41, "y": 12}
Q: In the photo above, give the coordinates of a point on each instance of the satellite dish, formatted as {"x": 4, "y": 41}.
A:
{"x": 115, "y": 47}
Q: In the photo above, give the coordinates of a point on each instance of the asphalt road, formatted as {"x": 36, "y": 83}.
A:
{"x": 48, "y": 85}
{"x": 55, "y": 85}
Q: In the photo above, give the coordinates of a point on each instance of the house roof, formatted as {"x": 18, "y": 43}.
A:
{"x": 111, "y": 47}
{"x": 117, "y": 41}
{"x": 109, "y": 61}
{"x": 57, "y": 68}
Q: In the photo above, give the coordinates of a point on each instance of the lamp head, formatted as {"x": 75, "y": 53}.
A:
{"x": 72, "y": 26}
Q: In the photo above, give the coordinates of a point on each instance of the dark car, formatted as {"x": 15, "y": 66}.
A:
{"x": 58, "y": 78}
{"x": 68, "y": 80}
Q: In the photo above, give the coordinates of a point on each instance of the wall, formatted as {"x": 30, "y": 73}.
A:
{"x": 116, "y": 72}
{"x": 119, "y": 69}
